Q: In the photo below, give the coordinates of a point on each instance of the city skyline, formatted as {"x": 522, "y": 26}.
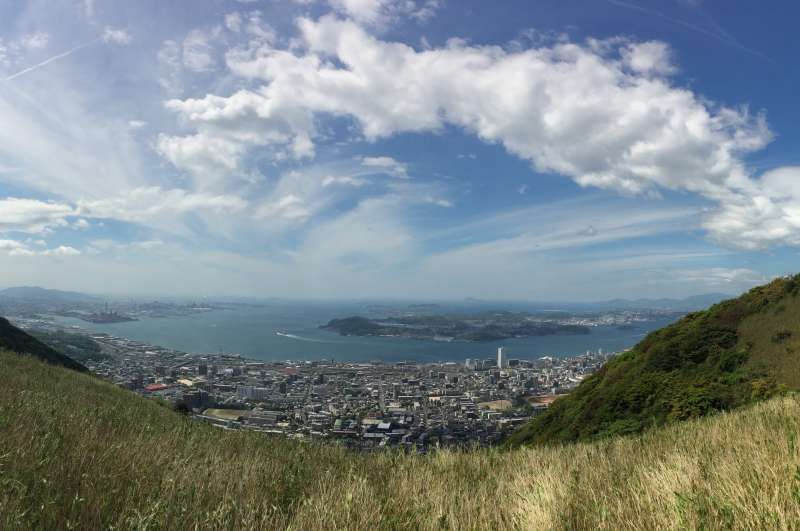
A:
{"x": 425, "y": 150}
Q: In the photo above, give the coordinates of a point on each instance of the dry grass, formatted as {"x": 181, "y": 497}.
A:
{"x": 79, "y": 453}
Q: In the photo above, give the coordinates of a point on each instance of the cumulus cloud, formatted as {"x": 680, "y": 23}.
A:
{"x": 31, "y": 215}
{"x": 252, "y": 26}
{"x": 15, "y": 248}
{"x": 649, "y": 58}
{"x": 202, "y": 49}
{"x": 605, "y": 114}
{"x": 762, "y": 213}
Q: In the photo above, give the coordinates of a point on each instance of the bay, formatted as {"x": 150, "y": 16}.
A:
{"x": 251, "y": 332}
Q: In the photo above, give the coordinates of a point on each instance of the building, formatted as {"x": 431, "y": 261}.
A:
{"x": 252, "y": 393}
{"x": 502, "y": 362}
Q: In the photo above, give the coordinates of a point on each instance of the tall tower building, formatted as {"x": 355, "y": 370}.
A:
{"x": 502, "y": 363}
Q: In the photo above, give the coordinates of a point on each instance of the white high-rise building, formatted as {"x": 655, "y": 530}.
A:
{"x": 502, "y": 362}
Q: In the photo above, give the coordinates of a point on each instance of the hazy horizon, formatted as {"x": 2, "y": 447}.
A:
{"x": 223, "y": 297}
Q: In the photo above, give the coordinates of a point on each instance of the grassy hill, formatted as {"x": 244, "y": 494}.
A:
{"x": 15, "y": 340}
{"x": 76, "y": 452}
{"x": 736, "y": 352}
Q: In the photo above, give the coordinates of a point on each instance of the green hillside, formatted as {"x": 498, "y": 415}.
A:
{"x": 79, "y": 453}
{"x": 15, "y": 340}
{"x": 734, "y": 353}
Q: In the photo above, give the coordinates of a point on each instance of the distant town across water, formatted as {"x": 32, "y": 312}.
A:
{"x": 287, "y": 330}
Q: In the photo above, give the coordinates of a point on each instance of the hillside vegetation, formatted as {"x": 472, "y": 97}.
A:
{"x": 76, "y": 452}
{"x": 735, "y": 353}
{"x": 16, "y": 340}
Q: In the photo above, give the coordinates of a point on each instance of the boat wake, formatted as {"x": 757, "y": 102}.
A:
{"x": 299, "y": 338}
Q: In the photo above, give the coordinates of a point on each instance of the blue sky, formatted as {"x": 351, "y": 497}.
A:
{"x": 428, "y": 149}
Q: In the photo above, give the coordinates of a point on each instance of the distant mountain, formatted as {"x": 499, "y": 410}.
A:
{"x": 33, "y": 293}
{"x": 730, "y": 355}
{"x": 695, "y": 302}
{"x": 16, "y": 340}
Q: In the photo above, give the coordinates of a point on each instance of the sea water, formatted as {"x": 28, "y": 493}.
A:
{"x": 251, "y": 332}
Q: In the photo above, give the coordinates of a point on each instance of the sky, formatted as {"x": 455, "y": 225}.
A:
{"x": 555, "y": 150}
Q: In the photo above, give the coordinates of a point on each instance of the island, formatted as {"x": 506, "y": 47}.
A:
{"x": 107, "y": 317}
{"x": 494, "y": 326}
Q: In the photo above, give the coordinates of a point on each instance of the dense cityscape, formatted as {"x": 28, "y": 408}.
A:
{"x": 364, "y": 405}
{"x": 414, "y": 406}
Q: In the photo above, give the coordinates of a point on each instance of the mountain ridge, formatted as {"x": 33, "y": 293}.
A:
{"x": 44, "y": 294}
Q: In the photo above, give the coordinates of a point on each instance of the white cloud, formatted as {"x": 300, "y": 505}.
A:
{"x": 720, "y": 277}
{"x": 206, "y": 156}
{"x": 117, "y": 36}
{"x": 233, "y": 21}
{"x": 198, "y": 52}
{"x": 170, "y": 66}
{"x": 515, "y": 234}
{"x": 387, "y": 164}
{"x": 258, "y": 31}
{"x": 762, "y": 213}
{"x": 149, "y": 203}
{"x": 32, "y": 216}
{"x": 35, "y": 41}
{"x": 604, "y": 114}
{"x": 345, "y": 180}
{"x": 379, "y": 13}
{"x": 444, "y": 203}
{"x": 299, "y": 195}
{"x": 15, "y": 248}
{"x": 373, "y": 236}
{"x": 106, "y": 245}
{"x": 136, "y": 124}
{"x": 61, "y": 250}
{"x": 63, "y": 146}
{"x": 289, "y": 207}
{"x": 322, "y": 193}
{"x": 649, "y": 58}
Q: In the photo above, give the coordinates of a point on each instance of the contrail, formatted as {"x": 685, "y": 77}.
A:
{"x": 720, "y": 35}
{"x": 50, "y": 60}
